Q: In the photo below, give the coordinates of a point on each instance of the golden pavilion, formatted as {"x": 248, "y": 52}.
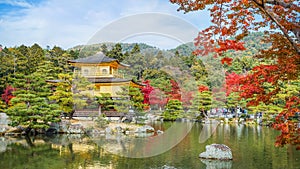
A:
{"x": 104, "y": 73}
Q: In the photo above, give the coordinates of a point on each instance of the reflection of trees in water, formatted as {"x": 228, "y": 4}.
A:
{"x": 252, "y": 147}
{"x": 58, "y": 151}
{"x": 21, "y": 154}
{"x": 3, "y": 144}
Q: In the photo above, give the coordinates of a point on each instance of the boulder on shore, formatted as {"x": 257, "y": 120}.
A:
{"x": 217, "y": 151}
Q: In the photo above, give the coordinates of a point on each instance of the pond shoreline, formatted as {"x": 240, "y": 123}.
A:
{"x": 89, "y": 126}
{"x": 82, "y": 126}
{"x": 252, "y": 147}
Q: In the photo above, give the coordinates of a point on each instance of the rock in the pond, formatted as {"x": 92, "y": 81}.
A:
{"x": 119, "y": 129}
{"x": 75, "y": 129}
{"x": 144, "y": 129}
{"x": 159, "y": 132}
{"x": 51, "y": 131}
{"x": 167, "y": 167}
{"x": 108, "y": 130}
{"x": 217, "y": 151}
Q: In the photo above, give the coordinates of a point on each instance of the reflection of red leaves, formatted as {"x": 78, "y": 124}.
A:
{"x": 226, "y": 60}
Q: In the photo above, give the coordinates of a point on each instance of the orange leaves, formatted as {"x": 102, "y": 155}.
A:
{"x": 232, "y": 82}
{"x": 8, "y": 94}
{"x": 234, "y": 19}
{"x": 253, "y": 84}
{"x": 245, "y": 1}
{"x": 226, "y": 60}
{"x": 214, "y": 8}
{"x": 229, "y": 45}
{"x": 224, "y": 31}
{"x": 202, "y": 88}
{"x": 293, "y": 102}
{"x": 204, "y": 42}
{"x": 290, "y": 132}
{"x": 230, "y": 16}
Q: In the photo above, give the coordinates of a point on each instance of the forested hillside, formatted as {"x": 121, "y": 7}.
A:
{"x": 253, "y": 44}
{"x": 175, "y": 79}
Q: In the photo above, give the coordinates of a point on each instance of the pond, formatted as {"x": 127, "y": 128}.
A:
{"x": 252, "y": 147}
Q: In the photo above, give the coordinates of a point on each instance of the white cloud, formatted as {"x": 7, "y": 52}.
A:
{"x": 69, "y": 23}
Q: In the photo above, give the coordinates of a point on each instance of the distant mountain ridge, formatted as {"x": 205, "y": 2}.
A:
{"x": 253, "y": 43}
{"x": 184, "y": 49}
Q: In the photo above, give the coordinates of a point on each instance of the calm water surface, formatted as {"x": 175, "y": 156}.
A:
{"x": 252, "y": 147}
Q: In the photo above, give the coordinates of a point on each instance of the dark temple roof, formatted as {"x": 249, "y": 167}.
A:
{"x": 97, "y": 58}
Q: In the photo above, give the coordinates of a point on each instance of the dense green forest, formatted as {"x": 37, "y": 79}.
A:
{"x": 178, "y": 83}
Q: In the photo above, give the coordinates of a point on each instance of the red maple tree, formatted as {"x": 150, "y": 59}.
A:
{"x": 8, "y": 94}
{"x": 186, "y": 98}
{"x": 146, "y": 90}
{"x": 232, "y": 82}
{"x": 158, "y": 97}
{"x": 236, "y": 19}
{"x": 202, "y": 88}
{"x": 175, "y": 93}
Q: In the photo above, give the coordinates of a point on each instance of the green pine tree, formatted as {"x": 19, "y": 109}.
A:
{"x": 72, "y": 93}
{"x": 201, "y": 103}
{"x": 31, "y": 107}
{"x": 116, "y": 53}
{"x": 173, "y": 110}
{"x": 105, "y": 102}
{"x": 130, "y": 98}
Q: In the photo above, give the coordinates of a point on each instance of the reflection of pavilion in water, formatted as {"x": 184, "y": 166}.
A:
{"x": 85, "y": 154}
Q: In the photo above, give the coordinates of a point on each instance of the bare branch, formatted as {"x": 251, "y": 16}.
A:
{"x": 284, "y": 31}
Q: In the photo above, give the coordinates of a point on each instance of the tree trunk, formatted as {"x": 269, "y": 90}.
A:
{"x": 28, "y": 140}
{"x": 99, "y": 111}
{"x": 71, "y": 114}
{"x": 27, "y": 130}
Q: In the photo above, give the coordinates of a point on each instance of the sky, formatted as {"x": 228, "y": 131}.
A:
{"x": 67, "y": 23}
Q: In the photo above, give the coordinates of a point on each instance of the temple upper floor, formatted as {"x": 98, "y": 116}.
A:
{"x": 98, "y": 66}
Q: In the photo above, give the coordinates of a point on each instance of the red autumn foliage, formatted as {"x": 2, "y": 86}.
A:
{"x": 186, "y": 98}
{"x": 285, "y": 121}
{"x": 175, "y": 93}
{"x": 235, "y": 19}
{"x": 229, "y": 45}
{"x": 8, "y": 94}
{"x": 147, "y": 91}
{"x": 226, "y": 60}
{"x": 232, "y": 83}
{"x": 202, "y": 88}
{"x": 157, "y": 97}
